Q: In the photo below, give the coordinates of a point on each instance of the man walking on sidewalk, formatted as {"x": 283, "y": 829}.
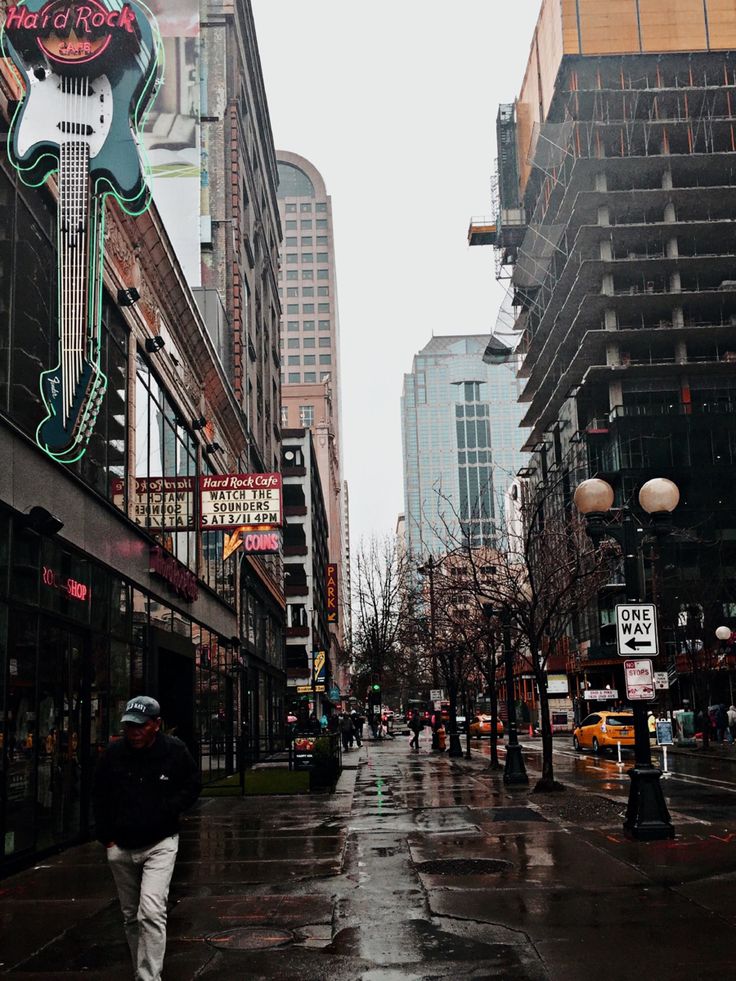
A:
{"x": 415, "y": 724}
{"x": 142, "y": 785}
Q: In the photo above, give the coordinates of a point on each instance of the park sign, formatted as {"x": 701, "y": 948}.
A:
{"x": 240, "y": 500}
{"x": 636, "y": 629}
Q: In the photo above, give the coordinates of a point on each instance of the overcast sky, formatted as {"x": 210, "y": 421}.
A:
{"x": 394, "y": 102}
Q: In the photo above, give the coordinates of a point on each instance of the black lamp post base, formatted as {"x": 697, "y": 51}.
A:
{"x": 456, "y": 748}
{"x": 515, "y": 771}
{"x": 647, "y": 817}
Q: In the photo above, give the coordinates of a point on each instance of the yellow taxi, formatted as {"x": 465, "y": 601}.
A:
{"x": 603, "y": 730}
{"x": 481, "y": 726}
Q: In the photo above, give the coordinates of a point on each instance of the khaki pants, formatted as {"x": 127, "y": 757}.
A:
{"x": 142, "y": 877}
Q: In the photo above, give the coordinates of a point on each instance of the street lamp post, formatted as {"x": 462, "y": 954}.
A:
{"x": 724, "y": 635}
{"x": 647, "y": 817}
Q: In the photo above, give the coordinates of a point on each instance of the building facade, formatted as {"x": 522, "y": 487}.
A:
{"x": 310, "y": 354}
{"x": 306, "y": 560}
{"x": 621, "y": 258}
{"x": 109, "y": 587}
{"x": 461, "y": 442}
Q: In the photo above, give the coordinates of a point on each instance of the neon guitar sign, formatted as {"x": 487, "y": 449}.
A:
{"x": 89, "y": 71}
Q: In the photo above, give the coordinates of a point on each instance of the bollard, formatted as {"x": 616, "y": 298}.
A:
{"x": 664, "y": 754}
{"x": 618, "y": 750}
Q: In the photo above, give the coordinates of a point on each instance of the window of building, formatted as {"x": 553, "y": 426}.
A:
{"x": 325, "y": 341}
{"x": 294, "y": 360}
{"x": 325, "y": 359}
{"x": 310, "y": 377}
{"x": 308, "y": 291}
{"x": 307, "y": 273}
{"x": 306, "y": 224}
{"x": 321, "y": 206}
{"x": 290, "y": 209}
{"x": 321, "y": 240}
{"x": 294, "y": 377}
{"x": 309, "y": 341}
{"x": 293, "y": 182}
{"x": 290, "y": 226}
{"x": 306, "y": 416}
{"x": 292, "y": 325}
{"x": 321, "y": 223}
{"x": 306, "y": 240}
{"x": 323, "y": 274}
{"x": 284, "y": 415}
{"x": 292, "y": 308}
{"x": 322, "y": 257}
{"x": 324, "y": 376}
{"x": 324, "y": 325}
{"x": 307, "y": 308}
{"x": 323, "y": 307}
{"x": 305, "y": 207}
{"x": 291, "y": 242}
{"x": 308, "y": 325}
{"x": 323, "y": 291}
{"x": 281, "y": 293}
{"x": 292, "y": 291}
{"x": 293, "y": 342}
{"x": 291, "y": 258}
{"x": 309, "y": 359}
{"x": 292, "y": 274}
{"x": 307, "y": 257}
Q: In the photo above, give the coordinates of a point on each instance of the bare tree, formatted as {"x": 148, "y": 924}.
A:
{"x": 378, "y": 603}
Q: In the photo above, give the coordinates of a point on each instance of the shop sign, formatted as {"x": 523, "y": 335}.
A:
{"x": 179, "y": 578}
{"x": 557, "y": 684}
{"x": 86, "y": 75}
{"x": 308, "y": 689}
{"x": 319, "y": 672}
{"x": 253, "y": 541}
{"x": 166, "y": 503}
{"x": 72, "y": 588}
{"x": 639, "y": 680}
{"x": 245, "y": 500}
{"x": 332, "y": 592}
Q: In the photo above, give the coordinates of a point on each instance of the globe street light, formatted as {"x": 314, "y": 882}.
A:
{"x": 647, "y": 816}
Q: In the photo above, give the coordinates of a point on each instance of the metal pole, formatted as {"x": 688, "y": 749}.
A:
{"x": 647, "y": 817}
{"x": 514, "y": 771}
{"x": 433, "y": 642}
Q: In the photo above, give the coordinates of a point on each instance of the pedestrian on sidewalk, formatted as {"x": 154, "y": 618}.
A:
{"x": 732, "y": 721}
{"x": 415, "y": 724}
{"x": 346, "y": 731}
{"x": 357, "y": 727}
{"x": 142, "y": 785}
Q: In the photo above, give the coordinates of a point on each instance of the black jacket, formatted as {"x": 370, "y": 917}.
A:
{"x": 138, "y": 795}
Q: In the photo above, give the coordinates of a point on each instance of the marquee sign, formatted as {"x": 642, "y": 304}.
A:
{"x": 87, "y": 71}
{"x": 331, "y": 589}
{"x": 240, "y": 500}
{"x": 158, "y": 502}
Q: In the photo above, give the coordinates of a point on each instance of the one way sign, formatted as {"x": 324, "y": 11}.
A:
{"x": 636, "y": 629}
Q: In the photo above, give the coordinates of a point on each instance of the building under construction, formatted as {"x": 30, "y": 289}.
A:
{"x": 615, "y": 226}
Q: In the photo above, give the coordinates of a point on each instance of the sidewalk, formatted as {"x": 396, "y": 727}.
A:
{"x": 419, "y": 866}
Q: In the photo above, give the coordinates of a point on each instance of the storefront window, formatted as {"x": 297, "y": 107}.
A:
{"x": 25, "y": 579}
{"x": 21, "y": 733}
{"x": 120, "y": 612}
{"x": 119, "y": 683}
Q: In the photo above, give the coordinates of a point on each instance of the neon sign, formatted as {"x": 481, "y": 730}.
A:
{"x": 88, "y": 71}
{"x": 72, "y": 587}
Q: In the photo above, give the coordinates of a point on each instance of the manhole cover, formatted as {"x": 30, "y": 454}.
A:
{"x": 463, "y": 866}
{"x": 251, "y": 938}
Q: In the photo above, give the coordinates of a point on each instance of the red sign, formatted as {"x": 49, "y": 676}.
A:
{"x": 181, "y": 580}
{"x": 72, "y": 32}
{"x": 73, "y": 588}
{"x": 260, "y": 542}
{"x": 332, "y": 595}
{"x": 240, "y": 500}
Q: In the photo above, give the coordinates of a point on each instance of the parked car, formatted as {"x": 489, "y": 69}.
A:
{"x": 481, "y": 726}
{"x": 603, "y": 730}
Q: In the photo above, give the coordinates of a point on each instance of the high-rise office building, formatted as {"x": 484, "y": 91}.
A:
{"x": 461, "y": 441}
{"x": 614, "y": 223}
{"x": 310, "y": 352}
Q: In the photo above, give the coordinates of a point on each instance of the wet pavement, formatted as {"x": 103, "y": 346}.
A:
{"x": 418, "y": 867}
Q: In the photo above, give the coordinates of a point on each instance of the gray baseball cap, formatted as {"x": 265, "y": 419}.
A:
{"x": 141, "y": 709}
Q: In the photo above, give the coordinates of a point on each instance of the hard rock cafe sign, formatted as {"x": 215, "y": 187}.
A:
{"x": 87, "y": 71}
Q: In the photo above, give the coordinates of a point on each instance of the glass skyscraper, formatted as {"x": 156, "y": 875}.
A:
{"x": 461, "y": 441}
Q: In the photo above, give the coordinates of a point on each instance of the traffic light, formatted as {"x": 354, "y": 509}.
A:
{"x": 376, "y": 688}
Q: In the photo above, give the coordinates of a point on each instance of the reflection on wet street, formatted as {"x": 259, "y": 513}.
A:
{"x": 418, "y": 867}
